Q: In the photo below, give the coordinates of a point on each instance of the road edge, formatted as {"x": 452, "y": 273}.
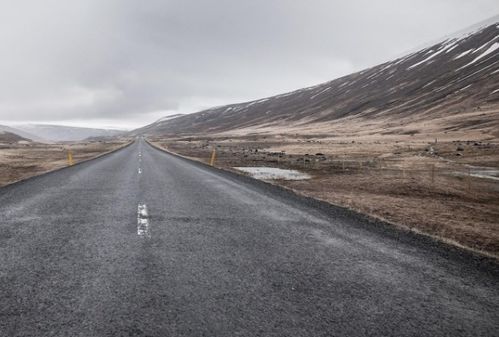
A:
{"x": 377, "y": 225}
{"x": 22, "y": 181}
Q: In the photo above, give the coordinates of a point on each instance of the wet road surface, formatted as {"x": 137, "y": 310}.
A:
{"x": 143, "y": 243}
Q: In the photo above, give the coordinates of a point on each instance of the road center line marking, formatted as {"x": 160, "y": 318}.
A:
{"x": 143, "y": 226}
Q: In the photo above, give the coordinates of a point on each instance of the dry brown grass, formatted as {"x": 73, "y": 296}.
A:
{"x": 21, "y": 161}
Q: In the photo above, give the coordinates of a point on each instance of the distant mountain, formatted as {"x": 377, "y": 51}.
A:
{"x": 9, "y": 137}
{"x": 57, "y": 133}
{"x": 167, "y": 118}
{"x": 157, "y": 124}
{"x": 445, "y": 83}
{"x": 22, "y": 134}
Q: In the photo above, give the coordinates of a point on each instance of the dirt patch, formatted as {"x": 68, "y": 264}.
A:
{"x": 426, "y": 185}
{"x": 23, "y": 160}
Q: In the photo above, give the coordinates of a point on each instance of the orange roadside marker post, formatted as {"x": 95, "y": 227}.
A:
{"x": 212, "y": 159}
{"x": 70, "y": 158}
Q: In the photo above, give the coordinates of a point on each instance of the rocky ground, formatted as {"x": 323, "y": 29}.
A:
{"x": 21, "y": 160}
{"x": 444, "y": 188}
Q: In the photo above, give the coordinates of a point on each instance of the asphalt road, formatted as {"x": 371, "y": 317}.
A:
{"x": 179, "y": 249}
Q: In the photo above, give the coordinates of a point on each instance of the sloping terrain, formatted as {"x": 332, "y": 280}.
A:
{"x": 414, "y": 142}
{"x": 452, "y": 84}
{"x": 23, "y": 134}
{"x": 66, "y": 133}
{"x": 9, "y": 137}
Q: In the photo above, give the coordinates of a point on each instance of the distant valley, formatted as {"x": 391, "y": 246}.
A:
{"x": 45, "y": 133}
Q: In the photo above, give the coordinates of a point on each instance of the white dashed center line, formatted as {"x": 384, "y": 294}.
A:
{"x": 143, "y": 229}
{"x": 140, "y": 161}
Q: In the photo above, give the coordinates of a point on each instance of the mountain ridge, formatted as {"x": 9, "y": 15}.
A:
{"x": 454, "y": 77}
{"x": 56, "y": 133}
{"x": 22, "y": 134}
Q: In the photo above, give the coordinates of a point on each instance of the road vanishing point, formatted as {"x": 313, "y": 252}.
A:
{"x": 140, "y": 242}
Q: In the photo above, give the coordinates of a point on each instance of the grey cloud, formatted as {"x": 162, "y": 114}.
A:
{"x": 131, "y": 61}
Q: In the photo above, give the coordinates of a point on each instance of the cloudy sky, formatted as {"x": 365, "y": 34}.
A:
{"x": 126, "y": 63}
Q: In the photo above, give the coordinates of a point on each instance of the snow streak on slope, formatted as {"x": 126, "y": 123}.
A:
{"x": 460, "y": 72}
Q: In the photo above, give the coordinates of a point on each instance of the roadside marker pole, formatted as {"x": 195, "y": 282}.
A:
{"x": 212, "y": 159}
{"x": 70, "y": 158}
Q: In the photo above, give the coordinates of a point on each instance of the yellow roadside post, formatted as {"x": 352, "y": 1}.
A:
{"x": 70, "y": 158}
{"x": 212, "y": 159}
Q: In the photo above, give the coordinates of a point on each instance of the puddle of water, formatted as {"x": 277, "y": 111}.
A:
{"x": 270, "y": 173}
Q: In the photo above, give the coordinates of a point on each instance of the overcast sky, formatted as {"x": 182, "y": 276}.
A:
{"x": 126, "y": 63}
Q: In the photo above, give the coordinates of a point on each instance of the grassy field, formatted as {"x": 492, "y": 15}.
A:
{"x": 23, "y": 160}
